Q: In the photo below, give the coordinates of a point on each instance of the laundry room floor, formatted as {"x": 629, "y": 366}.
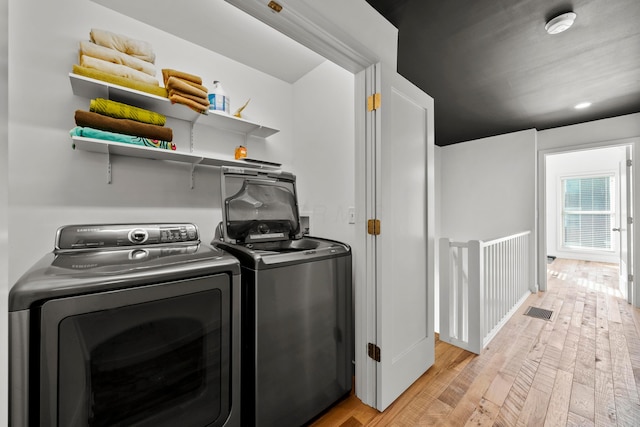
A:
{"x": 581, "y": 367}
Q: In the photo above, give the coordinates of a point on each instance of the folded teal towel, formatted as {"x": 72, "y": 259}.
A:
{"x": 119, "y": 137}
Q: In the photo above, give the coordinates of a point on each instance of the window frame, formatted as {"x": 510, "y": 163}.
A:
{"x": 613, "y": 212}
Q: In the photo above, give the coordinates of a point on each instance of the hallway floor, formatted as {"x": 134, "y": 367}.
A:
{"x": 581, "y": 367}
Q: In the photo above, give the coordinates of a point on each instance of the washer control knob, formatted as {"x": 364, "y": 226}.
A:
{"x": 138, "y": 235}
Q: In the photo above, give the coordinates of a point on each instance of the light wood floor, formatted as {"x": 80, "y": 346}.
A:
{"x": 582, "y": 367}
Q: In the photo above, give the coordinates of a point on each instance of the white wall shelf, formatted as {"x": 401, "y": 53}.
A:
{"x": 124, "y": 149}
{"x": 92, "y": 88}
{"x": 234, "y": 124}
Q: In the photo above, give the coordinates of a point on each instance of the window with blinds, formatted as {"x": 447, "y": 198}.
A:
{"x": 588, "y": 212}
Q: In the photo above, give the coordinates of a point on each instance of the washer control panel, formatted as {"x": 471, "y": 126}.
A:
{"x": 118, "y": 235}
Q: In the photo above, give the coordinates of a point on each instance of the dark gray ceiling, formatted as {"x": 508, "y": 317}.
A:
{"x": 492, "y": 68}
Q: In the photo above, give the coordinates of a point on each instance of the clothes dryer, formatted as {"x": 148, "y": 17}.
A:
{"x": 126, "y": 324}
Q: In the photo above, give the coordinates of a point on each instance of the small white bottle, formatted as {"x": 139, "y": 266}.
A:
{"x": 218, "y": 100}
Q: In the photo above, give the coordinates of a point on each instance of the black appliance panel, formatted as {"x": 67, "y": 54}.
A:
{"x": 303, "y": 338}
{"x": 148, "y": 356}
{"x": 74, "y": 237}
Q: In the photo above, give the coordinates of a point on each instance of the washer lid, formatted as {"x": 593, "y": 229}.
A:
{"x": 259, "y": 206}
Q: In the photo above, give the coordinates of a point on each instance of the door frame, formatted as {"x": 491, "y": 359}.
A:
{"x": 300, "y": 21}
{"x": 634, "y": 143}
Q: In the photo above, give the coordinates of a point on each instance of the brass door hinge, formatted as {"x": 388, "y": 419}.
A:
{"x": 373, "y": 351}
{"x": 373, "y": 227}
{"x": 373, "y": 102}
{"x": 274, "y": 6}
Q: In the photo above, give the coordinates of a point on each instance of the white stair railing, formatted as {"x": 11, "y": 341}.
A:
{"x": 481, "y": 285}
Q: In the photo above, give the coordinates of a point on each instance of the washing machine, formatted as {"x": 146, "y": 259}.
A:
{"x": 126, "y": 324}
{"x": 297, "y": 337}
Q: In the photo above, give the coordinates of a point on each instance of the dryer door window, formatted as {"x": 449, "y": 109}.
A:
{"x": 158, "y": 363}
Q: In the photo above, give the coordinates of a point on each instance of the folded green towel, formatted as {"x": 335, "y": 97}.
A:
{"x": 118, "y": 110}
{"x": 119, "y": 137}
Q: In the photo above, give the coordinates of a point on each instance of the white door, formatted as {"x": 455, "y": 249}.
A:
{"x": 402, "y": 190}
{"x": 625, "y": 226}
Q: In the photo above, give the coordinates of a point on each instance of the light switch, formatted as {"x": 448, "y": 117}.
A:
{"x": 352, "y": 215}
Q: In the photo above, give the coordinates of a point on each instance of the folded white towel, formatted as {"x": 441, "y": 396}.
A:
{"x": 115, "y": 56}
{"x": 116, "y": 69}
{"x": 138, "y": 48}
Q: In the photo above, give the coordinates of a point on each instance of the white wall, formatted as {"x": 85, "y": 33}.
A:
{"x": 324, "y": 150}
{"x": 580, "y": 163}
{"x": 51, "y": 185}
{"x": 488, "y": 187}
{"x": 597, "y": 131}
{"x": 4, "y": 163}
{"x": 479, "y": 180}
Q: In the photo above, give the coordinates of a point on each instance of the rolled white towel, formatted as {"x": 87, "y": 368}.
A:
{"x": 138, "y": 48}
{"x": 115, "y": 56}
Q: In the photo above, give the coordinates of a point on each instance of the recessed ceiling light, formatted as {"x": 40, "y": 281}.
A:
{"x": 582, "y": 105}
{"x": 560, "y": 23}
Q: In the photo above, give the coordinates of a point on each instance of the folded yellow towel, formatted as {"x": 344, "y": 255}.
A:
{"x": 196, "y": 85}
{"x": 111, "y": 55}
{"x": 184, "y": 86}
{"x": 168, "y": 72}
{"x": 196, "y": 106}
{"x": 197, "y": 99}
{"x": 138, "y": 48}
{"x": 118, "y": 110}
{"x": 121, "y": 81}
{"x": 117, "y": 69}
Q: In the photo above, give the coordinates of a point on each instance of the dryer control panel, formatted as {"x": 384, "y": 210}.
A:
{"x": 87, "y": 236}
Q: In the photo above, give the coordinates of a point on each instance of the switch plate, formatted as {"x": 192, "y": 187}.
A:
{"x": 352, "y": 215}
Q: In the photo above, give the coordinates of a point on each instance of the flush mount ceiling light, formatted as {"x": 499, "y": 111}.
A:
{"x": 582, "y": 105}
{"x": 560, "y": 23}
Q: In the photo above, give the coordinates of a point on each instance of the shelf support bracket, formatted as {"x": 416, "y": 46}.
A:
{"x": 191, "y": 137}
{"x": 108, "y": 167}
{"x": 193, "y": 172}
{"x": 192, "y": 183}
